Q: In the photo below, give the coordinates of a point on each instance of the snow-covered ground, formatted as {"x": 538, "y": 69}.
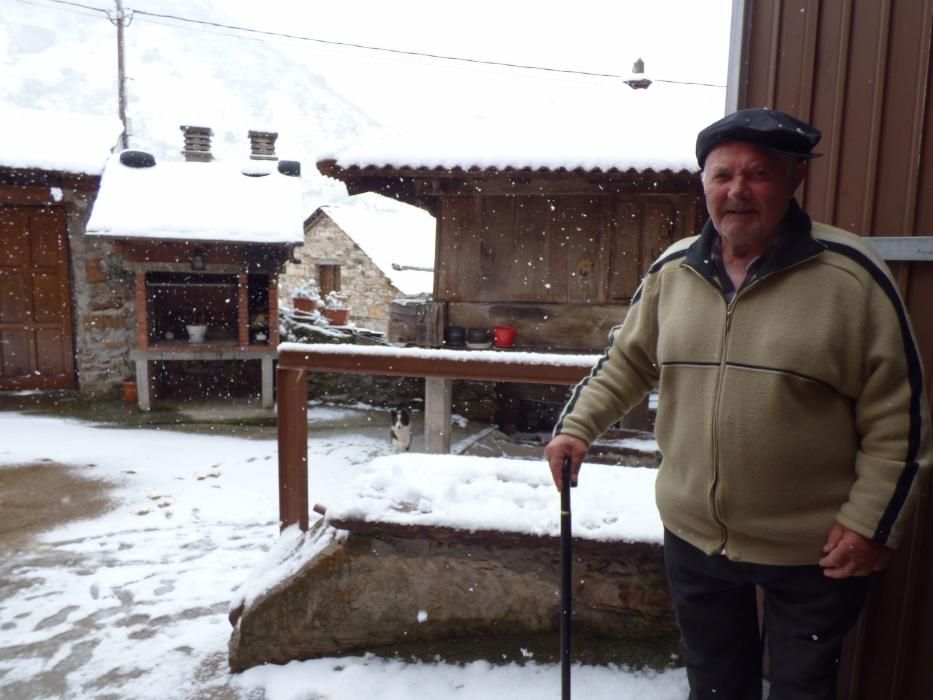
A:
{"x": 133, "y": 603}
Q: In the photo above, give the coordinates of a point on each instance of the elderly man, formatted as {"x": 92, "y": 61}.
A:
{"x": 792, "y": 420}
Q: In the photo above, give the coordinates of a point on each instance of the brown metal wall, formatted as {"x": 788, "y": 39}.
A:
{"x": 860, "y": 70}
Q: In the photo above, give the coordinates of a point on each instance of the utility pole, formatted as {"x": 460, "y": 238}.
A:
{"x": 118, "y": 20}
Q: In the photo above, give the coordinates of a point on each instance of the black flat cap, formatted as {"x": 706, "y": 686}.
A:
{"x": 763, "y": 127}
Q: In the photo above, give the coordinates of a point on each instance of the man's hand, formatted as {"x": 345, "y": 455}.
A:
{"x": 850, "y": 554}
{"x": 565, "y": 446}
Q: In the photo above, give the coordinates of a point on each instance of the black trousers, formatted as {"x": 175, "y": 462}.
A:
{"x": 806, "y": 616}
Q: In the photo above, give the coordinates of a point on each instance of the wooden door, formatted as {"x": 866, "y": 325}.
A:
{"x": 36, "y": 348}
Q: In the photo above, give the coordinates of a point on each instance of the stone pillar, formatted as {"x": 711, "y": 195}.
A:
{"x": 438, "y": 393}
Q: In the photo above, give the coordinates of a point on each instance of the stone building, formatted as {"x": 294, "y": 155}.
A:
{"x": 372, "y": 250}
{"x": 200, "y": 245}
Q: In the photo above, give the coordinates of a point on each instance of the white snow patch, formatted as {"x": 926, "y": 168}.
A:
{"x": 371, "y": 677}
{"x": 621, "y": 129}
{"x": 511, "y": 495}
{"x": 56, "y": 140}
{"x": 527, "y": 358}
{"x": 391, "y": 234}
{"x": 197, "y": 201}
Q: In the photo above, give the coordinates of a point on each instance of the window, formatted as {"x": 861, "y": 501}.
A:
{"x": 328, "y": 278}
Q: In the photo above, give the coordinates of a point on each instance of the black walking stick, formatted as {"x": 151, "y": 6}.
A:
{"x": 566, "y": 592}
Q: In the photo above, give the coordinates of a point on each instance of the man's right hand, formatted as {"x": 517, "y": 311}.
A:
{"x": 565, "y": 446}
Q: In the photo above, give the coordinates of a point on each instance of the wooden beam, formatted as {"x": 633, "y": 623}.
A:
{"x": 452, "y": 364}
{"x": 297, "y": 361}
{"x": 903, "y": 248}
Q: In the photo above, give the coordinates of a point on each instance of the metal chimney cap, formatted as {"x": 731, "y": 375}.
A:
{"x": 637, "y": 81}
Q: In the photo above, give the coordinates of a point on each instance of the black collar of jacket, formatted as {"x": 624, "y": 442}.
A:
{"x": 794, "y": 244}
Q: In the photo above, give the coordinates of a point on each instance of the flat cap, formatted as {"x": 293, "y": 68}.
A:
{"x": 763, "y": 127}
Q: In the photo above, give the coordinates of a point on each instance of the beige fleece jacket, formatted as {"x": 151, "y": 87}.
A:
{"x": 799, "y": 404}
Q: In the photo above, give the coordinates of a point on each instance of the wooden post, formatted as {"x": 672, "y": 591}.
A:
{"x": 142, "y": 312}
{"x": 438, "y": 393}
{"x": 293, "y": 447}
{"x": 273, "y": 311}
{"x": 243, "y": 310}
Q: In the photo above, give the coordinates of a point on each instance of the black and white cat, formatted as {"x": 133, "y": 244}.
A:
{"x": 400, "y": 432}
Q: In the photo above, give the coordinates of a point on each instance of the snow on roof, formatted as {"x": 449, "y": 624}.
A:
{"x": 198, "y": 201}
{"x": 652, "y": 129}
{"x": 481, "y": 493}
{"x": 391, "y": 233}
{"x": 45, "y": 140}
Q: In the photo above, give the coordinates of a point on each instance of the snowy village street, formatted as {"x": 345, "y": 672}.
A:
{"x": 119, "y": 566}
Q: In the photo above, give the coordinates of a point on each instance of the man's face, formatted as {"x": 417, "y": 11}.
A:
{"x": 748, "y": 190}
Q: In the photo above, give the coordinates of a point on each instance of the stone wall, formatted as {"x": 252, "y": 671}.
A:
{"x": 368, "y": 289}
{"x": 365, "y": 591}
{"x": 104, "y": 307}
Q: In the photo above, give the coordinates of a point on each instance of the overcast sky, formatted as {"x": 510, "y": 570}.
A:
{"x": 685, "y": 40}
{"x": 679, "y": 40}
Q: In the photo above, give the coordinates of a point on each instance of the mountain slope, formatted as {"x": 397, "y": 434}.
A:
{"x": 64, "y": 58}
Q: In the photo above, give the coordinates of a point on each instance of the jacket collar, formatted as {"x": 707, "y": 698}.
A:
{"x": 793, "y": 245}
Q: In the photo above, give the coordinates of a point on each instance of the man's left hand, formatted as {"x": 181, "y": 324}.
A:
{"x": 850, "y": 554}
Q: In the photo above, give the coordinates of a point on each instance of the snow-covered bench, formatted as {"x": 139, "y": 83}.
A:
{"x": 438, "y": 494}
{"x": 420, "y": 548}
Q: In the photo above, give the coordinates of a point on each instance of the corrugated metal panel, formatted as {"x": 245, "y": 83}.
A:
{"x": 860, "y": 70}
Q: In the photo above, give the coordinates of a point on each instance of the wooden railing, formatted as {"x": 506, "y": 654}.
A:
{"x": 438, "y": 367}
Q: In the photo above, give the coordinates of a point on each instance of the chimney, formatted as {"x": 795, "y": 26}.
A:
{"x": 197, "y": 143}
{"x": 637, "y": 80}
{"x": 262, "y": 145}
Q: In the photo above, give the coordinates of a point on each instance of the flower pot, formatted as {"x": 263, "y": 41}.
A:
{"x": 130, "y": 391}
{"x": 306, "y": 305}
{"x": 196, "y": 333}
{"x": 337, "y": 317}
{"x": 478, "y": 338}
{"x": 454, "y": 336}
{"x": 504, "y": 336}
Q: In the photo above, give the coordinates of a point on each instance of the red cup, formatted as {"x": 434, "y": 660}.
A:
{"x": 504, "y": 336}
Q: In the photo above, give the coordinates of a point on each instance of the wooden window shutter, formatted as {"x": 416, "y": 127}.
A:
{"x": 328, "y": 278}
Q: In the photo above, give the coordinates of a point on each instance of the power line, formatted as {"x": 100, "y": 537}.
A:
{"x": 366, "y": 47}
{"x": 78, "y": 4}
{"x": 93, "y": 11}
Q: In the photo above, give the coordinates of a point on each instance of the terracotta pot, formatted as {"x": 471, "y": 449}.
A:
{"x": 307, "y": 305}
{"x": 130, "y": 391}
{"x": 504, "y": 336}
{"x": 337, "y": 317}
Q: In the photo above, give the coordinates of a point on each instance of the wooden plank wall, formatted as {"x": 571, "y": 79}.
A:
{"x": 36, "y": 346}
{"x": 860, "y": 70}
{"x": 562, "y": 268}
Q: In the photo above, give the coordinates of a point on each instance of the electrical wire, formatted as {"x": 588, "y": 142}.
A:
{"x": 366, "y": 47}
{"x": 77, "y": 8}
{"x": 73, "y": 4}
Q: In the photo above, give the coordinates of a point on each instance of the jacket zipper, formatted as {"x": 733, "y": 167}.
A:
{"x": 730, "y": 309}
{"x": 714, "y": 487}
{"x": 714, "y": 483}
